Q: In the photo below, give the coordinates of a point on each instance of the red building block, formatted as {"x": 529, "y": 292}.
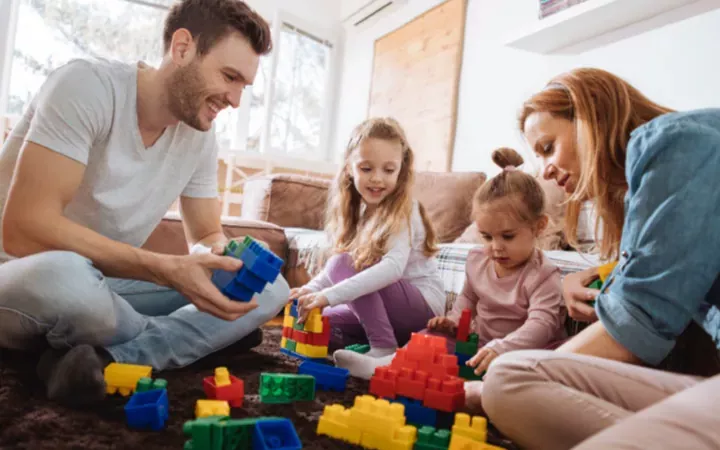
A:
{"x": 441, "y": 367}
{"x": 412, "y": 384}
{"x": 384, "y": 382}
{"x": 287, "y": 332}
{"x": 448, "y": 395}
{"x": 322, "y": 339}
{"x": 463, "y": 330}
{"x": 232, "y": 393}
{"x": 301, "y": 337}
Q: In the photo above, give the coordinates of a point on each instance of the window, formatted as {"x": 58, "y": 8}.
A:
{"x": 52, "y": 32}
{"x": 284, "y": 112}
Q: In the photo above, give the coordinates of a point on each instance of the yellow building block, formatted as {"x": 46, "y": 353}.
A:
{"x": 335, "y": 422}
{"x": 287, "y": 309}
{"x": 377, "y": 416}
{"x": 283, "y": 343}
{"x": 402, "y": 438}
{"x": 123, "y": 378}
{"x": 222, "y": 377}
{"x": 311, "y": 351}
{"x": 475, "y": 429}
{"x": 288, "y": 321}
{"x": 207, "y": 408}
{"x": 313, "y": 323}
{"x": 605, "y": 270}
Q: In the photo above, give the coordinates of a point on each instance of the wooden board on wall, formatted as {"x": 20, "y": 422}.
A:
{"x": 416, "y": 71}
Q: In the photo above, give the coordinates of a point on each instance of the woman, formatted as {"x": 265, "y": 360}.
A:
{"x": 654, "y": 177}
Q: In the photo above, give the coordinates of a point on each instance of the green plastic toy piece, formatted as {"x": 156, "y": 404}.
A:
{"x": 147, "y": 384}
{"x": 597, "y": 284}
{"x": 470, "y": 347}
{"x": 235, "y": 248}
{"x": 286, "y": 388}
{"x": 358, "y": 348}
{"x": 428, "y": 438}
{"x": 291, "y": 345}
{"x": 220, "y": 433}
{"x": 468, "y": 373}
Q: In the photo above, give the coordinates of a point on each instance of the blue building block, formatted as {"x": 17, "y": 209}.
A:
{"x": 147, "y": 410}
{"x": 261, "y": 262}
{"x": 250, "y": 280}
{"x": 328, "y": 378}
{"x": 293, "y": 309}
{"x": 462, "y": 359}
{"x": 275, "y": 434}
{"x": 237, "y": 291}
{"x": 299, "y": 356}
{"x": 417, "y": 414}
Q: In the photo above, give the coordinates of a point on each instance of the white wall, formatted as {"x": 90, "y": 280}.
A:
{"x": 677, "y": 65}
{"x": 324, "y": 13}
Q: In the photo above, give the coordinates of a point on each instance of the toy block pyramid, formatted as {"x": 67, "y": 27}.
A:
{"x": 308, "y": 340}
{"x": 260, "y": 267}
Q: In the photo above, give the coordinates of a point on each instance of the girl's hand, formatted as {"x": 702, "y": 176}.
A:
{"x": 308, "y": 302}
{"x": 297, "y": 293}
{"x": 577, "y": 295}
{"x": 482, "y": 359}
{"x": 442, "y": 324}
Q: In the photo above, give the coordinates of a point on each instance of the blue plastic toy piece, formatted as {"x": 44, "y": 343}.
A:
{"x": 299, "y": 356}
{"x": 417, "y": 414}
{"x": 327, "y": 378}
{"x": 261, "y": 262}
{"x": 462, "y": 359}
{"x": 275, "y": 434}
{"x": 148, "y": 410}
{"x": 293, "y": 309}
{"x": 237, "y": 291}
{"x": 250, "y": 280}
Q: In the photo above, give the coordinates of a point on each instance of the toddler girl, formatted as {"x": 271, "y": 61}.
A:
{"x": 383, "y": 283}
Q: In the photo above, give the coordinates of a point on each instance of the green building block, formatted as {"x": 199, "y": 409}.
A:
{"x": 597, "y": 284}
{"x": 358, "y": 348}
{"x": 286, "y": 388}
{"x": 238, "y": 433}
{"x": 430, "y": 439}
{"x": 291, "y": 345}
{"x": 147, "y": 384}
{"x": 205, "y": 433}
{"x": 469, "y": 374}
{"x": 298, "y": 326}
{"x": 470, "y": 347}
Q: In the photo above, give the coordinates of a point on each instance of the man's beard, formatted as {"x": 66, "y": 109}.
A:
{"x": 186, "y": 96}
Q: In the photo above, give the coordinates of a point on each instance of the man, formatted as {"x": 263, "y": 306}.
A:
{"x": 88, "y": 173}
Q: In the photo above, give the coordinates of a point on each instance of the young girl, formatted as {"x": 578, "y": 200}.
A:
{"x": 383, "y": 283}
{"x": 514, "y": 292}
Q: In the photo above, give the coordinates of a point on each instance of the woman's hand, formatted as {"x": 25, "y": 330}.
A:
{"x": 482, "y": 359}
{"x": 443, "y": 325}
{"x": 308, "y": 302}
{"x": 577, "y": 295}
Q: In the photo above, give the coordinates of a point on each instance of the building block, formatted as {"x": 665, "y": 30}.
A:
{"x": 312, "y": 351}
{"x": 417, "y": 414}
{"x": 231, "y": 389}
{"x": 148, "y": 410}
{"x": 469, "y": 347}
{"x": 250, "y": 280}
{"x": 412, "y": 384}
{"x": 321, "y": 339}
{"x": 275, "y": 434}
{"x": 123, "y": 378}
{"x": 261, "y": 261}
{"x": 428, "y": 438}
{"x": 299, "y": 356}
{"x": 286, "y": 388}
{"x": 238, "y": 292}
{"x": 293, "y": 310}
{"x": 327, "y": 377}
{"x": 313, "y": 323}
{"x": 605, "y": 270}
{"x": 468, "y": 373}
{"x": 301, "y": 337}
{"x": 358, "y": 348}
{"x": 474, "y": 428}
{"x": 597, "y": 284}
{"x": 448, "y": 395}
{"x": 384, "y": 382}
{"x": 147, "y": 384}
{"x": 335, "y": 422}
{"x": 234, "y": 249}
{"x": 463, "y": 330}
{"x": 206, "y": 433}
{"x": 462, "y": 359}
{"x": 287, "y": 332}
{"x": 207, "y": 408}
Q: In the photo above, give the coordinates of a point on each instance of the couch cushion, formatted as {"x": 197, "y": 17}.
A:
{"x": 447, "y": 197}
{"x": 169, "y": 236}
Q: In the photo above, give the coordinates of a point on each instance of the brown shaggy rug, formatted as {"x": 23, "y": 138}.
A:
{"x": 28, "y": 421}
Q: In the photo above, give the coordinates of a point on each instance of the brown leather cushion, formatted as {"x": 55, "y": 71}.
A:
{"x": 169, "y": 236}
{"x": 447, "y": 197}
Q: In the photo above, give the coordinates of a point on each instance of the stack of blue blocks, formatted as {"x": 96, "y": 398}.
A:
{"x": 260, "y": 267}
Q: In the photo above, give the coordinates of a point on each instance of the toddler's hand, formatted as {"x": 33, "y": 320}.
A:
{"x": 297, "y": 293}
{"x": 442, "y": 325}
{"x": 308, "y": 302}
{"x": 482, "y": 359}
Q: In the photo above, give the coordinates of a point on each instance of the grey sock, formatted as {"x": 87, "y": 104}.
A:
{"x": 73, "y": 377}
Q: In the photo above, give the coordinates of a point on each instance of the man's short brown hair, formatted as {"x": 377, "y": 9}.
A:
{"x": 209, "y": 21}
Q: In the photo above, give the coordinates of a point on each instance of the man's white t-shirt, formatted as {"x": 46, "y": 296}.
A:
{"x": 87, "y": 111}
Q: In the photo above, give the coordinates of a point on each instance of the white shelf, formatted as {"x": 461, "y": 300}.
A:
{"x": 614, "y": 19}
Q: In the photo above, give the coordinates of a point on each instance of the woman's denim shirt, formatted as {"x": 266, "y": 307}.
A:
{"x": 670, "y": 246}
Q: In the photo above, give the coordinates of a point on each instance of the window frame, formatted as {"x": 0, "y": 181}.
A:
{"x": 9, "y": 17}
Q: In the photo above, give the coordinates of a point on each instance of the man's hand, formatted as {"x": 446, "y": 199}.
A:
{"x": 308, "y": 302}
{"x": 191, "y": 276}
{"x": 577, "y": 295}
{"x": 443, "y": 325}
{"x": 482, "y": 359}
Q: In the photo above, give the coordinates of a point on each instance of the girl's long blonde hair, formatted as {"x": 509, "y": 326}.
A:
{"x": 366, "y": 239}
{"x": 605, "y": 110}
